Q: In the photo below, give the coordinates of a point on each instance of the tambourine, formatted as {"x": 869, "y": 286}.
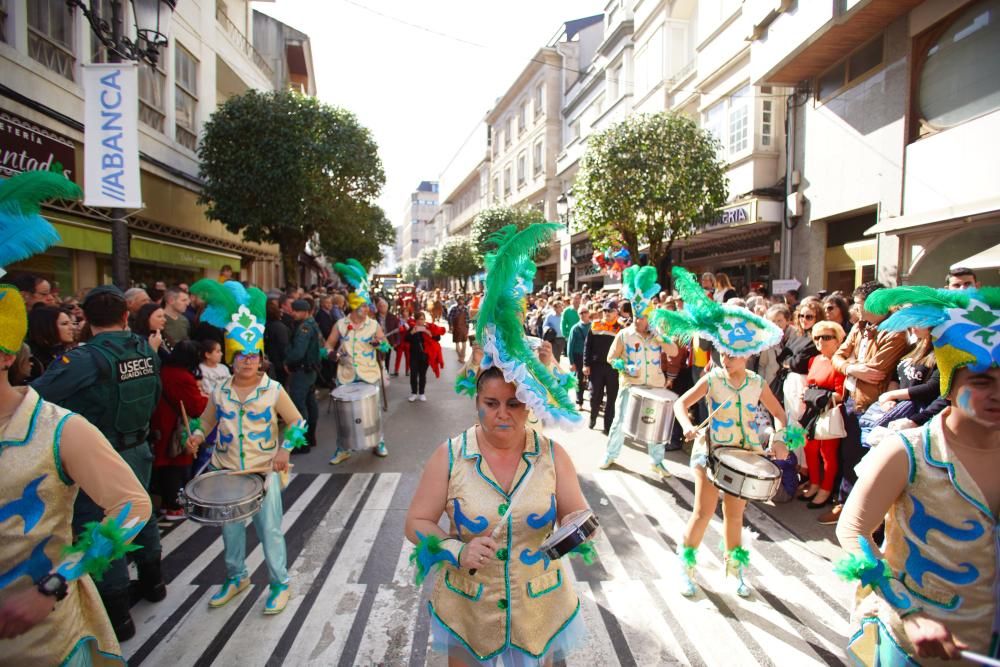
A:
{"x": 576, "y": 529}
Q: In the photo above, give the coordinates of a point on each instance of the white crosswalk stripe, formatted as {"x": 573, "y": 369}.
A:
{"x": 354, "y": 602}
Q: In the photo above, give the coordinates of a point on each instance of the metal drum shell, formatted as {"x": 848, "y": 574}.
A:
{"x": 649, "y": 415}
{"x": 218, "y": 512}
{"x": 358, "y": 414}
{"x": 745, "y": 484}
{"x": 576, "y": 531}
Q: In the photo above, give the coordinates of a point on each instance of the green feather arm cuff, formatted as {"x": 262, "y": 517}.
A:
{"x": 324, "y": 353}
{"x": 618, "y": 365}
{"x": 586, "y": 551}
{"x": 99, "y": 545}
{"x": 193, "y": 425}
{"x": 873, "y": 572}
{"x": 431, "y": 551}
{"x": 793, "y": 435}
{"x": 385, "y": 347}
{"x": 295, "y": 435}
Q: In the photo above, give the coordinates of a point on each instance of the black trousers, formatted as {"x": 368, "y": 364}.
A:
{"x": 603, "y": 384}
{"x": 418, "y": 373}
{"x": 850, "y": 452}
{"x": 581, "y": 379}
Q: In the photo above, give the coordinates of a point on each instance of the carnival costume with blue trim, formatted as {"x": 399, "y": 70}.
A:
{"x": 942, "y": 542}
{"x": 248, "y": 432}
{"x": 36, "y": 495}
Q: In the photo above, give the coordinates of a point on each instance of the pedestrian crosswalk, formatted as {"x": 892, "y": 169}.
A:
{"x": 354, "y": 602}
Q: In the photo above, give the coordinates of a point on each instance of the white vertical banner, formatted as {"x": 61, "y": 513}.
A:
{"x": 111, "y": 135}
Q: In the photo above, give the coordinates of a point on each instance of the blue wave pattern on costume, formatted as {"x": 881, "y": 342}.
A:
{"x": 36, "y": 566}
{"x": 917, "y": 565}
{"x": 101, "y": 547}
{"x": 263, "y": 416}
{"x": 537, "y": 521}
{"x": 531, "y": 557}
{"x": 29, "y": 506}
{"x": 476, "y": 526}
{"x": 921, "y": 523}
{"x": 264, "y": 435}
{"x": 220, "y": 413}
{"x": 739, "y": 333}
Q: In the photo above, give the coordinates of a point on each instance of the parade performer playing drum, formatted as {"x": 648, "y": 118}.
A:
{"x": 360, "y": 339}
{"x": 635, "y": 354}
{"x": 50, "y": 610}
{"x": 733, "y": 394}
{"x": 246, "y": 408}
{"x": 502, "y": 593}
{"x": 931, "y": 591}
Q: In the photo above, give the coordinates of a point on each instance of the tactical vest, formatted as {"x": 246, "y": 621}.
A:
{"x": 121, "y": 403}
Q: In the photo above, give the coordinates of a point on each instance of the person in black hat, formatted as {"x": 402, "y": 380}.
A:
{"x": 303, "y": 362}
{"x": 603, "y": 378}
{"x": 114, "y": 382}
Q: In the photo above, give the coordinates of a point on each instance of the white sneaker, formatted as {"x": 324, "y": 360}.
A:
{"x": 423, "y": 399}
{"x": 412, "y": 398}
{"x": 607, "y": 463}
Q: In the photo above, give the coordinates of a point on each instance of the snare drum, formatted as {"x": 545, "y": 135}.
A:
{"x": 221, "y": 497}
{"x": 649, "y": 415}
{"x": 744, "y": 474}
{"x": 359, "y": 415}
{"x": 576, "y": 529}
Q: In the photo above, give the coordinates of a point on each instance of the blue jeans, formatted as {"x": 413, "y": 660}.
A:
{"x": 616, "y": 436}
{"x": 267, "y": 523}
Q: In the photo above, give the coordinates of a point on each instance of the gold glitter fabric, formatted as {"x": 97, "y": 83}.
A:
{"x": 36, "y": 513}
{"x": 941, "y": 541}
{"x": 360, "y": 362}
{"x": 522, "y": 599}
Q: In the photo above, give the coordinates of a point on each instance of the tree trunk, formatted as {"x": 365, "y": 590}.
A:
{"x": 290, "y": 251}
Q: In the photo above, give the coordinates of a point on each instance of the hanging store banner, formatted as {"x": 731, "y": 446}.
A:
{"x": 25, "y": 146}
{"x": 111, "y": 135}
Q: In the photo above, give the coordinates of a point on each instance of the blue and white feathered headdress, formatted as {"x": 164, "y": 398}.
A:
{"x": 639, "y": 286}
{"x": 238, "y": 310}
{"x": 356, "y": 276}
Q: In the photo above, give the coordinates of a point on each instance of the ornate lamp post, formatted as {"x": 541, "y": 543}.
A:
{"x": 150, "y": 19}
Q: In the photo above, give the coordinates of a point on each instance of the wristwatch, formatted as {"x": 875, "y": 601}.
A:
{"x": 53, "y": 585}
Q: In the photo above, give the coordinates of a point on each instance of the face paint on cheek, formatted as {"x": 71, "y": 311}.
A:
{"x": 964, "y": 401}
{"x": 482, "y": 419}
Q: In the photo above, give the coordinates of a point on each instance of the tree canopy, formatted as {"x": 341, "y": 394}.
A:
{"x": 493, "y": 219}
{"x": 458, "y": 259}
{"x": 648, "y": 181}
{"x": 360, "y": 233}
{"x": 411, "y": 272}
{"x": 280, "y": 167}
{"x": 427, "y": 263}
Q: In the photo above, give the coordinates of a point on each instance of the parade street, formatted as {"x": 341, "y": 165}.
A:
{"x": 354, "y": 603}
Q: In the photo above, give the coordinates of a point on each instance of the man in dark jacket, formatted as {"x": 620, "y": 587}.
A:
{"x": 603, "y": 378}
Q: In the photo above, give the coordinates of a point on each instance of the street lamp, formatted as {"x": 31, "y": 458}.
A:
{"x": 150, "y": 23}
{"x": 564, "y": 207}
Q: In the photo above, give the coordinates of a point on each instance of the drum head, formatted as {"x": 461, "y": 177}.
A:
{"x": 354, "y": 391}
{"x": 223, "y": 487}
{"x": 568, "y": 528}
{"x": 658, "y": 395}
{"x": 747, "y": 463}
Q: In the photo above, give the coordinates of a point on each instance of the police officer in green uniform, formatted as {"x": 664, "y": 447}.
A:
{"x": 303, "y": 362}
{"x": 114, "y": 382}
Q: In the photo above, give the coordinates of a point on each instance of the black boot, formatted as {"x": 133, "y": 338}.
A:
{"x": 151, "y": 585}
{"x": 117, "y": 606}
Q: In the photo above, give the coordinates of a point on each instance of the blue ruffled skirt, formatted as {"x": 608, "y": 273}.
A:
{"x": 570, "y": 638}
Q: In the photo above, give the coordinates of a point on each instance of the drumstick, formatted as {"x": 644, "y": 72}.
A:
{"x": 258, "y": 471}
{"x": 187, "y": 422}
{"x": 981, "y": 659}
{"x": 709, "y": 418}
{"x": 510, "y": 507}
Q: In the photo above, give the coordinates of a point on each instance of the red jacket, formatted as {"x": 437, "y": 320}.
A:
{"x": 432, "y": 348}
{"x": 179, "y": 385}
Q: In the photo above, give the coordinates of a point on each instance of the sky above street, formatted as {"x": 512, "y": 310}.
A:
{"x": 421, "y": 74}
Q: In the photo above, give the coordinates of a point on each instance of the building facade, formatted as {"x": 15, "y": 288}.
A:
{"x": 895, "y": 125}
{"x": 210, "y": 57}
{"x": 417, "y": 229}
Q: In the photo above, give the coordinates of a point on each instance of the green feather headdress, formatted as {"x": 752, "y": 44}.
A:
{"x": 238, "y": 310}
{"x": 639, "y": 286}
{"x": 733, "y": 330}
{"x": 510, "y": 273}
{"x": 964, "y": 324}
{"x": 356, "y": 276}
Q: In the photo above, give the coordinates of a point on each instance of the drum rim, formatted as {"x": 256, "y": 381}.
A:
{"x": 259, "y": 493}
{"x": 712, "y": 457}
{"x": 647, "y": 392}
{"x": 361, "y": 386}
{"x": 591, "y": 521}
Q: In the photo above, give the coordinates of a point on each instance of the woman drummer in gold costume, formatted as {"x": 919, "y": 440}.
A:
{"x": 504, "y": 487}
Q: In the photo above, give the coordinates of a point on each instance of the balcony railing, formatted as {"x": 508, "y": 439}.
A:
{"x": 241, "y": 42}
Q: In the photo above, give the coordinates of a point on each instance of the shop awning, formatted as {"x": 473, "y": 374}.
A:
{"x": 967, "y": 211}
{"x": 987, "y": 259}
{"x": 77, "y": 235}
{"x": 175, "y": 254}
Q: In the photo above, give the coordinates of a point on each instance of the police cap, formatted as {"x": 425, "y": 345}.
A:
{"x": 301, "y": 305}
{"x": 103, "y": 289}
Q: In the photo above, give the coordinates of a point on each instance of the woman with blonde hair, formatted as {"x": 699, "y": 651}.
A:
{"x": 827, "y": 337}
{"x": 724, "y": 290}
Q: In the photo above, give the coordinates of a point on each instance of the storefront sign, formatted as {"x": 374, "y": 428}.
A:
{"x": 732, "y": 216}
{"x": 25, "y": 146}
{"x": 111, "y": 136}
{"x": 782, "y": 286}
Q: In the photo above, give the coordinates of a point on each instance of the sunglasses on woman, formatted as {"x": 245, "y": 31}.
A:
{"x": 823, "y": 337}
{"x": 807, "y": 316}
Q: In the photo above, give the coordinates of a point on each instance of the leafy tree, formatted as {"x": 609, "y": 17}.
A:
{"x": 427, "y": 263}
{"x": 362, "y": 232}
{"x": 282, "y": 168}
{"x": 458, "y": 259}
{"x": 495, "y": 218}
{"x": 411, "y": 272}
{"x": 649, "y": 180}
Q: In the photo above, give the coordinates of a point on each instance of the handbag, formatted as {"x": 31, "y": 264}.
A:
{"x": 178, "y": 441}
{"x": 830, "y": 424}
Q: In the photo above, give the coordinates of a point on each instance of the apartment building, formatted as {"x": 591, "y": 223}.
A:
{"x": 465, "y": 184}
{"x": 210, "y": 57}
{"x": 417, "y": 229}
{"x": 895, "y": 125}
